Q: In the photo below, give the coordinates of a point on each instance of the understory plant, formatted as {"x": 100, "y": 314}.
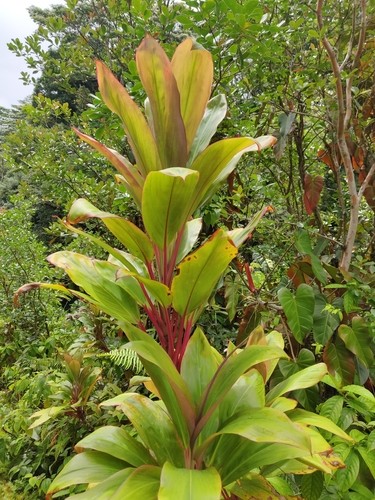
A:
{"x": 211, "y": 432}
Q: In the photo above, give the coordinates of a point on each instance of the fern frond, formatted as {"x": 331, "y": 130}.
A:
{"x": 126, "y": 358}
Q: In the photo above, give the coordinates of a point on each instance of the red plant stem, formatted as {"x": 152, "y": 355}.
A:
{"x": 179, "y": 336}
{"x": 186, "y": 337}
{"x": 153, "y": 315}
{"x": 165, "y": 313}
{"x": 250, "y": 281}
{"x": 150, "y": 270}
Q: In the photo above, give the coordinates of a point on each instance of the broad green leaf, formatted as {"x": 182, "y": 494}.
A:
{"x": 166, "y": 200}
{"x": 199, "y": 364}
{"x": 346, "y": 477}
{"x": 143, "y": 483}
{"x": 340, "y": 362}
{"x": 284, "y": 404}
{"x": 136, "y": 128}
{"x": 248, "y": 392}
{"x": 214, "y": 114}
{"x": 364, "y": 393}
{"x": 117, "y": 257}
{"x": 151, "y": 288}
{"x": 299, "y": 310}
{"x": 87, "y": 467}
{"x": 300, "y": 380}
{"x": 267, "y": 425}
{"x": 189, "y": 237}
{"x": 199, "y": 272}
{"x": 217, "y": 161}
{"x": 312, "y": 485}
{"x": 189, "y": 484}
{"x": 125, "y": 231}
{"x": 240, "y": 235}
{"x": 309, "y": 418}
{"x": 230, "y": 371}
{"x": 130, "y": 175}
{"x": 368, "y": 456}
{"x": 303, "y": 245}
{"x": 105, "y": 489}
{"x": 254, "y": 486}
{"x": 98, "y": 279}
{"x": 155, "y": 71}
{"x": 357, "y": 340}
{"x": 332, "y": 408}
{"x": 193, "y": 70}
{"x": 115, "y": 441}
{"x": 325, "y": 323}
{"x": 234, "y": 456}
{"x": 168, "y": 381}
{"x": 153, "y": 426}
{"x": 46, "y": 414}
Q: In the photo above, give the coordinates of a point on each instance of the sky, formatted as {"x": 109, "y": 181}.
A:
{"x": 15, "y": 23}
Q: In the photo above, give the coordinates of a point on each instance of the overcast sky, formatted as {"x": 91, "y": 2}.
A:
{"x": 15, "y": 23}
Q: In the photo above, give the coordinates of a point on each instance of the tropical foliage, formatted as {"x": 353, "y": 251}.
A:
{"x": 182, "y": 251}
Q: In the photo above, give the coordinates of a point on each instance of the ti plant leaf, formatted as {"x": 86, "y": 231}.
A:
{"x": 155, "y": 71}
{"x": 136, "y": 127}
{"x": 199, "y": 272}
{"x": 193, "y": 70}
{"x": 166, "y": 201}
{"x": 133, "y": 238}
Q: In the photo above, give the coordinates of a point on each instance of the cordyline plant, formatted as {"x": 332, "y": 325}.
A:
{"x": 213, "y": 433}
{"x": 176, "y": 172}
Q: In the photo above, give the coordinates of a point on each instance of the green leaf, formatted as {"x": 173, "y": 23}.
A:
{"x": 299, "y": 310}
{"x": 217, "y": 161}
{"x": 199, "y": 272}
{"x": 193, "y": 71}
{"x": 309, "y": 418}
{"x": 303, "y": 245}
{"x": 106, "y": 488}
{"x": 368, "y": 457}
{"x": 345, "y": 478}
{"x": 189, "y": 484}
{"x": 267, "y": 425}
{"x": 340, "y": 362}
{"x": 254, "y": 486}
{"x": 168, "y": 381}
{"x": 155, "y": 71}
{"x": 98, "y": 279}
{"x": 199, "y": 364}
{"x": 312, "y": 485}
{"x": 332, "y": 408}
{"x": 142, "y": 483}
{"x": 115, "y": 441}
{"x": 248, "y": 392}
{"x": 357, "y": 340}
{"x": 46, "y": 414}
{"x": 136, "y": 128}
{"x": 325, "y": 323}
{"x": 87, "y": 467}
{"x": 214, "y": 114}
{"x": 247, "y": 455}
{"x": 130, "y": 175}
{"x": 125, "y": 231}
{"x": 167, "y": 197}
{"x": 365, "y": 395}
{"x": 153, "y": 425}
{"x": 300, "y": 380}
{"x": 189, "y": 237}
{"x": 231, "y": 370}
